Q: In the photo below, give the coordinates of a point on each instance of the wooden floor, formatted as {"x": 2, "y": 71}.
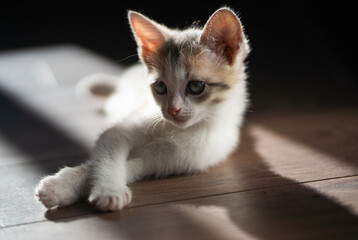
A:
{"x": 294, "y": 175}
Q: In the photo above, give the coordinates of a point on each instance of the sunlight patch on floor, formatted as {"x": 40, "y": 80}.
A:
{"x": 284, "y": 155}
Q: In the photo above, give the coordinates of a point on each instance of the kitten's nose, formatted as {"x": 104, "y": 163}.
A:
{"x": 173, "y": 111}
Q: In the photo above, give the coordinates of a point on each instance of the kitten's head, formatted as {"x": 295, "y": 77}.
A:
{"x": 192, "y": 72}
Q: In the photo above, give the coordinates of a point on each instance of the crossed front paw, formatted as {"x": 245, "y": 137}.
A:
{"x": 110, "y": 200}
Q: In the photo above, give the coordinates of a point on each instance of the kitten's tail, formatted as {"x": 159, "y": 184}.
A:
{"x": 97, "y": 85}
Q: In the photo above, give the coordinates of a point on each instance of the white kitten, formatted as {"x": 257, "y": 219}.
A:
{"x": 189, "y": 97}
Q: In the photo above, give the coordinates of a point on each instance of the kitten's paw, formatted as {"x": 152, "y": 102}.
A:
{"x": 106, "y": 200}
{"x": 54, "y": 191}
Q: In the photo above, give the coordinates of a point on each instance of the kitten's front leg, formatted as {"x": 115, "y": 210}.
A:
{"x": 106, "y": 199}
{"x": 109, "y": 191}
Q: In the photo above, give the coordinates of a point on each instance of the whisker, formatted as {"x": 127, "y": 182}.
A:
{"x": 155, "y": 125}
{"x": 152, "y": 123}
{"x": 163, "y": 125}
{"x": 121, "y": 60}
{"x": 172, "y": 135}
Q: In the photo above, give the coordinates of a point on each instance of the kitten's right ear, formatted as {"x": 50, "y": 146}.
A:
{"x": 149, "y": 36}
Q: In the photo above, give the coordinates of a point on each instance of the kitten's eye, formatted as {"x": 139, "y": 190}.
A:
{"x": 160, "y": 87}
{"x": 195, "y": 87}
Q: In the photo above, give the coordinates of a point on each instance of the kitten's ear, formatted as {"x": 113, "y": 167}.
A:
{"x": 148, "y": 34}
{"x": 223, "y": 34}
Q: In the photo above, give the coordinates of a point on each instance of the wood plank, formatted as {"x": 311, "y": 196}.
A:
{"x": 342, "y": 190}
{"x": 17, "y": 201}
{"x": 282, "y": 212}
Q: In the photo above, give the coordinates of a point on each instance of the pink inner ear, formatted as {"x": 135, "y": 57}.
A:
{"x": 149, "y": 38}
{"x": 223, "y": 34}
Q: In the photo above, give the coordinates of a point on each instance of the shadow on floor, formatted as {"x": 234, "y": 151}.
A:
{"x": 332, "y": 132}
{"x": 290, "y": 211}
{"x": 33, "y": 135}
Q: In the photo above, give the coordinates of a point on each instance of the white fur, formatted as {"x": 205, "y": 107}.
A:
{"x": 144, "y": 143}
{"x": 63, "y": 188}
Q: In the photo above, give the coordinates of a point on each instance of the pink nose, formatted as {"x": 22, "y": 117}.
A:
{"x": 173, "y": 111}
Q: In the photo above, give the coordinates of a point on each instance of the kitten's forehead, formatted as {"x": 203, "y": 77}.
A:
{"x": 173, "y": 56}
{"x": 184, "y": 54}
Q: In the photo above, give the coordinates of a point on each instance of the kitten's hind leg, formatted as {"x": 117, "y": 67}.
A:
{"x": 64, "y": 188}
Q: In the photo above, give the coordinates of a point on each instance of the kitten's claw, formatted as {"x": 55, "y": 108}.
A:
{"x": 106, "y": 200}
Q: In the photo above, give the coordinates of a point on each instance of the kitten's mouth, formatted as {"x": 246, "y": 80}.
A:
{"x": 179, "y": 120}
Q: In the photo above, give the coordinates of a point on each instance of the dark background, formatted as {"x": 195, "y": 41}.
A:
{"x": 303, "y": 53}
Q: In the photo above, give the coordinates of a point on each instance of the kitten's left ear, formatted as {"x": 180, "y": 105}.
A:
{"x": 223, "y": 34}
{"x": 149, "y": 36}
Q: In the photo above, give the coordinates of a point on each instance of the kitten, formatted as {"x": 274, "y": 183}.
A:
{"x": 189, "y": 96}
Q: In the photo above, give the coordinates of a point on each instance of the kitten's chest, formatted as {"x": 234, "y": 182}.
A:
{"x": 207, "y": 147}
{"x": 187, "y": 151}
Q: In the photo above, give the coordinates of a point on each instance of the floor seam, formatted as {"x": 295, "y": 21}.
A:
{"x": 175, "y": 201}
